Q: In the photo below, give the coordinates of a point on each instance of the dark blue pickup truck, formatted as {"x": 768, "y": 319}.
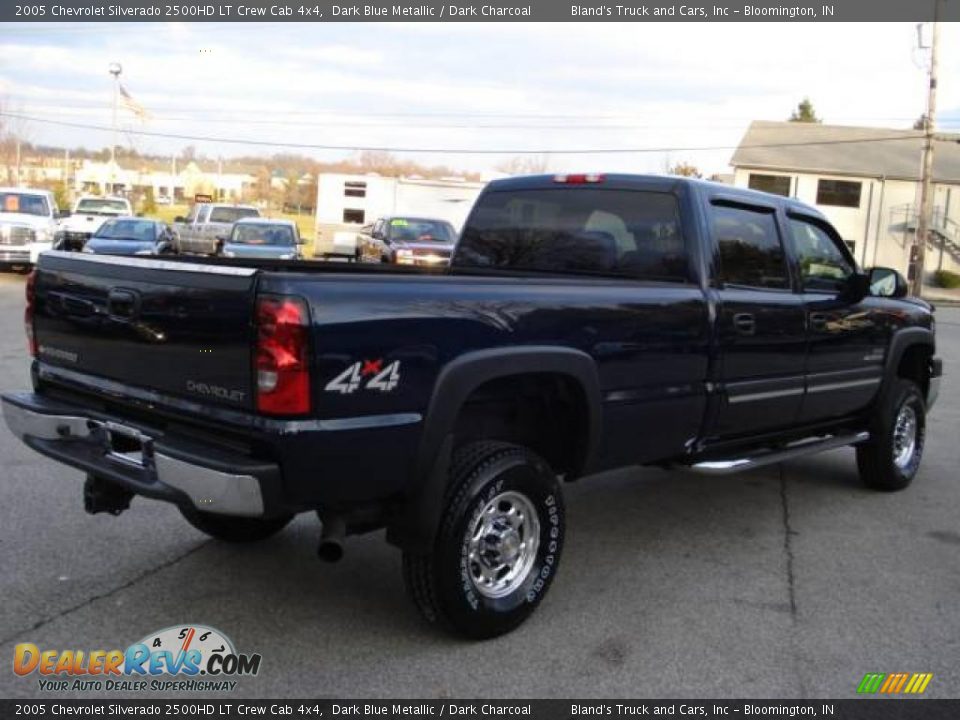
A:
{"x": 586, "y": 322}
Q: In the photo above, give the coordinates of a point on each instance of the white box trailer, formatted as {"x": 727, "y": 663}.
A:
{"x": 346, "y": 203}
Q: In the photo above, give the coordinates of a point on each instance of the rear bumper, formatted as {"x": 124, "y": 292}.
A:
{"x": 936, "y": 375}
{"x": 164, "y": 468}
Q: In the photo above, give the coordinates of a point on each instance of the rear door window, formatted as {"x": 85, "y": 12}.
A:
{"x": 626, "y": 233}
{"x": 751, "y": 253}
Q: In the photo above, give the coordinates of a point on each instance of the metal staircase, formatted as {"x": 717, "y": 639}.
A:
{"x": 944, "y": 231}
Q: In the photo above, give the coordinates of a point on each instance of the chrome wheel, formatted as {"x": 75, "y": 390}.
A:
{"x": 502, "y": 544}
{"x": 905, "y": 437}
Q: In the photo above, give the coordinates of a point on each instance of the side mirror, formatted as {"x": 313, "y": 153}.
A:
{"x": 180, "y": 219}
{"x": 886, "y": 282}
{"x": 222, "y": 238}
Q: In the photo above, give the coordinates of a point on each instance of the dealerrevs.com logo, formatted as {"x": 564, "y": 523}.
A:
{"x": 178, "y": 658}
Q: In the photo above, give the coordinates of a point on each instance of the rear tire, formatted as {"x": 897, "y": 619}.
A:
{"x": 498, "y": 546}
{"x": 891, "y": 458}
{"x": 233, "y": 528}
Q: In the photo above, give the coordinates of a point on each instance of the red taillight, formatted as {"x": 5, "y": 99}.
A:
{"x": 282, "y": 359}
{"x": 28, "y": 313}
{"x": 579, "y": 179}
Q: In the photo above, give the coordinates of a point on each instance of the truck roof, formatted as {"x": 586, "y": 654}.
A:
{"x": 24, "y": 190}
{"x": 661, "y": 183}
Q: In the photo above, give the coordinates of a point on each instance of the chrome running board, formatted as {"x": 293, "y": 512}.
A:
{"x": 771, "y": 457}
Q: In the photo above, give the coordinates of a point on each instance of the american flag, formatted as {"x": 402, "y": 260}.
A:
{"x": 132, "y": 105}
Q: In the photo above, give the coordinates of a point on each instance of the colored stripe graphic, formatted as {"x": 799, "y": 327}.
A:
{"x": 870, "y": 683}
{"x": 894, "y": 683}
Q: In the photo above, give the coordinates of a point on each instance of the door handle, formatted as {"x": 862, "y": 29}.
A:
{"x": 818, "y": 321}
{"x": 745, "y": 323}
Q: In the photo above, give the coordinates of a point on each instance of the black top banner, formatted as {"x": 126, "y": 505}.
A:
{"x": 230, "y": 708}
{"x": 495, "y": 11}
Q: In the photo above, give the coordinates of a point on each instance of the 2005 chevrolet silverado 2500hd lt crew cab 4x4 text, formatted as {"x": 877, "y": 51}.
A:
{"x": 586, "y": 322}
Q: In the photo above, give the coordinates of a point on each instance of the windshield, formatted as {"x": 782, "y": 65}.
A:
{"x": 23, "y": 203}
{"x": 250, "y": 234}
{"x": 416, "y": 230}
{"x": 231, "y": 214}
{"x": 136, "y": 230}
{"x": 102, "y": 206}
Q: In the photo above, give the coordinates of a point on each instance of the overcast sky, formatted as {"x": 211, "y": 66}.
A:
{"x": 493, "y": 86}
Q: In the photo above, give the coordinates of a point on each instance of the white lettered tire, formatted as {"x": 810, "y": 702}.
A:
{"x": 498, "y": 546}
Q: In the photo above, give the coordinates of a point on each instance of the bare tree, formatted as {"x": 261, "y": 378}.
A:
{"x": 686, "y": 170}
{"x": 525, "y": 165}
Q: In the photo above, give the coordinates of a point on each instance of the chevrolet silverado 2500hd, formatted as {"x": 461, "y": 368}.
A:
{"x": 586, "y": 322}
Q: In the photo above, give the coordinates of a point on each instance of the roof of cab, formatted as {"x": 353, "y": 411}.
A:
{"x": 265, "y": 221}
{"x": 26, "y": 191}
{"x": 661, "y": 183}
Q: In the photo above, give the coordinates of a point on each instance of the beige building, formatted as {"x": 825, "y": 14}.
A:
{"x": 179, "y": 184}
{"x": 865, "y": 180}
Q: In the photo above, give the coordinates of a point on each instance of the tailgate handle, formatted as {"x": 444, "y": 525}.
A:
{"x": 123, "y": 304}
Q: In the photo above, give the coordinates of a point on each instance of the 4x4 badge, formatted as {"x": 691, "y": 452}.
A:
{"x": 367, "y": 375}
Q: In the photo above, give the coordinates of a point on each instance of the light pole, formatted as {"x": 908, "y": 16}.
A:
{"x": 115, "y": 70}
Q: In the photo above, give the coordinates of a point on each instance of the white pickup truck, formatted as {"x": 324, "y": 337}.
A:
{"x": 88, "y": 214}
{"x": 207, "y": 225}
{"x": 27, "y": 224}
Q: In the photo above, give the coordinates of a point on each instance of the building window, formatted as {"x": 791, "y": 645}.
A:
{"x": 353, "y": 216}
{"x": 355, "y": 189}
{"x": 840, "y": 193}
{"x": 775, "y": 184}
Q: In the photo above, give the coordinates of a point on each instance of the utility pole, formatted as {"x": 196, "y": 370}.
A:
{"x": 926, "y": 189}
{"x": 18, "y": 162}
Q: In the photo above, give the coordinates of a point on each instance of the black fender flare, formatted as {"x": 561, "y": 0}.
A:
{"x": 456, "y": 381}
{"x": 900, "y": 342}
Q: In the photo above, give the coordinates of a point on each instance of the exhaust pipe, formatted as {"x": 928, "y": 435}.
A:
{"x": 331, "y": 539}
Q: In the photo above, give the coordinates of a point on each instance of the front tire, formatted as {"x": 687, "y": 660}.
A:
{"x": 891, "y": 458}
{"x": 498, "y": 546}
{"x": 233, "y": 528}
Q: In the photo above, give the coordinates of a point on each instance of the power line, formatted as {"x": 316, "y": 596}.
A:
{"x": 81, "y": 103}
{"x": 457, "y": 151}
{"x": 81, "y": 112}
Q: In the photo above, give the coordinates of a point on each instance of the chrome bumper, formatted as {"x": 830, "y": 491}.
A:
{"x": 14, "y": 256}
{"x": 157, "y": 469}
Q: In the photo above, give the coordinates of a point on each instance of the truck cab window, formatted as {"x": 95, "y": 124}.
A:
{"x": 625, "y": 233}
{"x": 823, "y": 266}
{"x": 750, "y": 249}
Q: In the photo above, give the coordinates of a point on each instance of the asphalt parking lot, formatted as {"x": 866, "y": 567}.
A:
{"x": 785, "y": 582}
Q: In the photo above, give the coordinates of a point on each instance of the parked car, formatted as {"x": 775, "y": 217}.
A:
{"x": 408, "y": 241}
{"x": 263, "y": 238}
{"x": 586, "y": 322}
{"x": 132, "y": 236}
{"x": 203, "y": 229}
{"x": 88, "y": 214}
{"x": 27, "y": 225}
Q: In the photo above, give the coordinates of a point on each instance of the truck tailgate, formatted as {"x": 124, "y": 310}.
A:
{"x": 174, "y": 327}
